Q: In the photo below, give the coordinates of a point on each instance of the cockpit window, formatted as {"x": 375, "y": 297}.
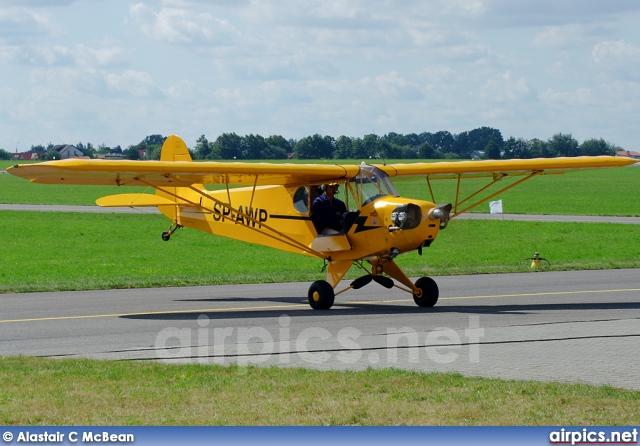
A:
{"x": 301, "y": 200}
{"x": 370, "y": 184}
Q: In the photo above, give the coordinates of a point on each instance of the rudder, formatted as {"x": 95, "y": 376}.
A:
{"x": 174, "y": 149}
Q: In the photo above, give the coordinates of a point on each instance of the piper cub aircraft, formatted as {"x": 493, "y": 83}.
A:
{"x": 275, "y": 206}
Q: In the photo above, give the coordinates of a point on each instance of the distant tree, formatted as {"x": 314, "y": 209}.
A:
{"x": 102, "y": 149}
{"x": 441, "y": 141}
{"x": 131, "y": 153}
{"x": 344, "y": 147}
{"x": 539, "y": 149}
{"x": 516, "y": 148}
{"x": 255, "y": 147}
{"x": 52, "y": 154}
{"x": 416, "y": 141}
{"x": 400, "y": 140}
{"x": 314, "y": 147}
{"x": 408, "y": 152}
{"x": 357, "y": 149}
{"x": 370, "y": 146}
{"x": 476, "y": 139}
{"x": 153, "y": 152}
{"x": 509, "y": 148}
{"x": 229, "y": 146}
{"x": 562, "y": 144}
{"x": 426, "y": 151}
{"x": 595, "y": 147}
{"x": 492, "y": 151}
{"x": 277, "y": 148}
{"x": 151, "y": 146}
{"x": 203, "y": 148}
{"x": 38, "y": 149}
{"x": 153, "y": 140}
{"x": 87, "y": 150}
{"x": 4, "y": 155}
{"x": 388, "y": 150}
{"x": 328, "y": 147}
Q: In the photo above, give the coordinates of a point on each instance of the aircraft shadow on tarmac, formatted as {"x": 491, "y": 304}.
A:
{"x": 365, "y": 309}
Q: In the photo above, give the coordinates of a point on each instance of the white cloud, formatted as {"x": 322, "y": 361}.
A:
{"x": 559, "y": 99}
{"x": 298, "y": 67}
{"x": 615, "y": 52}
{"x": 135, "y": 83}
{"x": 18, "y": 24}
{"x": 505, "y": 88}
{"x": 564, "y": 36}
{"x": 181, "y": 26}
{"x": 618, "y": 60}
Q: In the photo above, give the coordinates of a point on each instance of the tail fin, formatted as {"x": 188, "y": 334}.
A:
{"x": 174, "y": 149}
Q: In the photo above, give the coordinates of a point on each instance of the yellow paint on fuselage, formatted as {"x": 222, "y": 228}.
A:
{"x": 247, "y": 215}
{"x": 251, "y": 215}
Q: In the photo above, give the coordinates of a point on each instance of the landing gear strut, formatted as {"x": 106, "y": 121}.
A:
{"x": 167, "y": 234}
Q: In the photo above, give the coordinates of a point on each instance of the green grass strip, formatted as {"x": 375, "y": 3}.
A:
{"x": 38, "y": 391}
{"x": 72, "y": 251}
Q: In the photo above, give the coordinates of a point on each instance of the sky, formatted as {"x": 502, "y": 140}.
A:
{"x": 115, "y": 71}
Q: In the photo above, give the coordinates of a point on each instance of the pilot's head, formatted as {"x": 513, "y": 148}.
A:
{"x": 333, "y": 186}
{"x": 330, "y": 189}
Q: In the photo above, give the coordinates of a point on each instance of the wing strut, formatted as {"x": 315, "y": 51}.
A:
{"x": 496, "y": 177}
{"x": 277, "y": 235}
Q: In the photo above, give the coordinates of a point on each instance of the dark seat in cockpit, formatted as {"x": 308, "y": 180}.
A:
{"x": 348, "y": 219}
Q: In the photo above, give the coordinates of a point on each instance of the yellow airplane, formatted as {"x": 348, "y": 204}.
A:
{"x": 275, "y": 206}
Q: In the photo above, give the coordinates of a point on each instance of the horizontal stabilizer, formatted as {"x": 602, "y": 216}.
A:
{"x": 133, "y": 200}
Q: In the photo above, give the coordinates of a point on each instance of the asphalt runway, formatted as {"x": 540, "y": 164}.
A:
{"x": 577, "y": 326}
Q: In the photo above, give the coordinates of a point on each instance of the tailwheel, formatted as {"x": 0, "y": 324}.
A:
{"x": 167, "y": 234}
{"x": 428, "y": 292}
{"x": 321, "y": 295}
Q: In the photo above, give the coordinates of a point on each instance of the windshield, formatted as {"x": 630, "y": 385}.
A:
{"x": 370, "y": 184}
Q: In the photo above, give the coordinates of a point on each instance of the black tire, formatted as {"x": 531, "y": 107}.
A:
{"x": 166, "y": 236}
{"x": 430, "y": 292}
{"x": 321, "y": 295}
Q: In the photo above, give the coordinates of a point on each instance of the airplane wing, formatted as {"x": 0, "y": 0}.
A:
{"x": 179, "y": 173}
{"x": 514, "y": 167}
{"x": 495, "y": 171}
{"x": 183, "y": 173}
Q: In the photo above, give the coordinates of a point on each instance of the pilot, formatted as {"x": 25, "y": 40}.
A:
{"x": 327, "y": 211}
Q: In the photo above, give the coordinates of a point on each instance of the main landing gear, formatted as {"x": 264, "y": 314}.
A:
{"x": 322, "y": 296}
{"x": 428, "y": 292}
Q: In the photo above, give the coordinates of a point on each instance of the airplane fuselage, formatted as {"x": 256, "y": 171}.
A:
{"x": 386, "y": 226}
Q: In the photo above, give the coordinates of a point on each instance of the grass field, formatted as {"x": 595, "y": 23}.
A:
{"x": 590, "y": 192}
{"x": 65, "y": 251}
{"x": 84, "y": 392}
{"x": 72, "y": 251}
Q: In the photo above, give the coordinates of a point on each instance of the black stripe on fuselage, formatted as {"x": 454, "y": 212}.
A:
{"x": 290, "y": 217}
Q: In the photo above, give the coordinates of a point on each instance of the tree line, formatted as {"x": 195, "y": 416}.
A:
{"x": 483, "y": 142}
